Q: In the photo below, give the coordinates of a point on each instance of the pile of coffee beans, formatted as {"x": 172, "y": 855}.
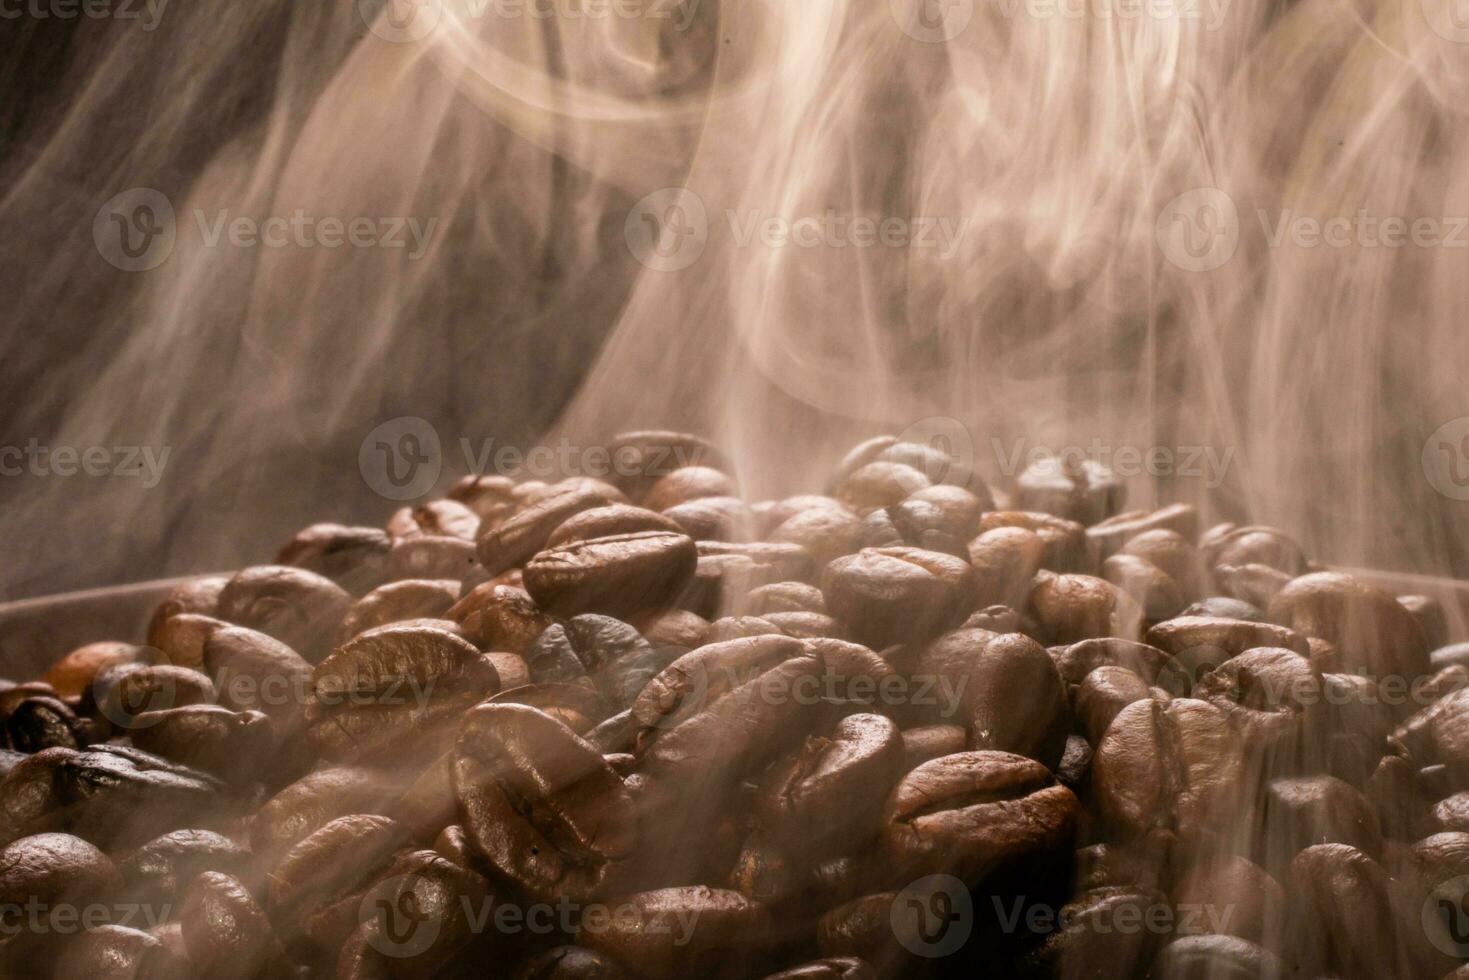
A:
{"x": 642, "y": 726}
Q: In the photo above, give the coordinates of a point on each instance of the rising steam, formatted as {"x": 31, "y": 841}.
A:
{"x": 1026, "y": 155}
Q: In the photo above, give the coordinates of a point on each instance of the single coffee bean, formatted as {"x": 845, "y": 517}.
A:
{"x": 827, "y": 533}
{"x": 1103, "y": 695}
{"x": 1267, "y": 694}
{"x": 985, "y": 670}
{"x": 180, "y": 639}
{"x": 697, "y": 679}
{"x": 1077, "y": 660}
{"x": 490, "y": 497}
{"x": 1363, "y": 622}
{"x": 43, "y": 723}
{"x": 609, "y": 521}
{"x": 1106, "y": 537}
{"x": 720, "y": 930}
{"x": 1152, "y": 589}
{"x": 975, "y": 814}
{"x": 713, "y": 519}
{"x": 892, "y": 595}
{"x": 1170, "y": 764}
{"x": 1097, "y": 926}
{"x": 863, "y": 928}
{"x": 771, "y": 514}
{"x": 620, "y": 576}
{"x": 50, "y": 869}
{"x": 1172, "y": 552}
{"x": 440, "y": 898}
{"x": 301, "y": 609}
{"x": 1201, "y": 643}
{"x": 880, "y": 484}
{"x": 790, "y": 561}
{"x": 1452, "y": 813}
{"x": 616, "y": 657}
{"x": 339, "y": 861}
{"x": 120, "y": 796}
{"x": 161, "y": 869}
{"x": 113, "y": 952}
{"x": 540, "y": 804}
{"x": 1224, "y": 607}
{"x": 1234, "y": 896}
{"x": 313, "y": 801}
{"x": 1341, "y": 915}
{"x": 500, "y": 617}
{"x": 643, "y": 458}
{"x": 689, "y": 483}
{"x": 435, "y": 556}
{"x": 779, "y": 597}
{"x": 195, "y": 596}
{"x": 962, "y": 507}
{"x": 1070, "y": 608}
{"x": 1253, "y": 545}
{"x": 1084, "y": 490}
{"x": 913, "y": 523}
{"x": 224, "y": 928}
{"x": 73, "y": 674}
{"x": 436, "y": 518}
{"x": 1255, "y": 583}
{"x": 356, "y": 558}
{"x": 1431, "y": 617}
{"x": 525, "y": 532}
{"x": 398, "y": 601}
{"x": 1064, "y": 547}
{"x": 234, "y": 745}
{"x": 154, "y": 688}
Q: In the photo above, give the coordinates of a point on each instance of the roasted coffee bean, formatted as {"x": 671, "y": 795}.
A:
{"x": 540, "y": 804}
{"x": 975, "y": 814}
{"x": 1103, "y": 695}
{"x": 1171, "y": 764}
{"x": 1070, "y": 608}
{"x": 713, "y": 519}
{"x": 1217, "y": 958}
{"x": 525, "y": 532}
{"x": 740, "y": 627}
{"x": 439, "y": 898}
{"x": 1063, "y": 542}
{"x": 1174, "y": 554}
{"x": 154, "y": 688}
{"x": 1144, "y": 863}
{"x": 790, "y": 561}
{"x": 122, "y": 796}
{"x": 616, "y": 657}
{"x": 986, "y": 669}
{"x": 1075, "y": 768}
{"x": 610, "y": 521}
{"x": 1079, "y": 659}
{"x": 697, "y": 679}
{"x": 1005, "y": 561}
{"x": 932, "y": 462}
{"x": 771, "y": 514}
{"x": 1106, "y": 537}
{"x": 500, "y": 617}
{"x": 74, "y": 673}
{"x": 50, "y": 869}
{"x": 1224, "y": 607}
{"x": 1364, "y": 623}
{"x": 435, "y": 556}
{"x": 436, "y": 518}
{"x": 397, "y": 601}
{"x": 1201, "y": 643}
{"x": 297, "y": 607}
{"x": 827, "y": 533}
{"x": 643, "y": 458}
{"x": 233, "y": 745}
{"x": 1256, "y": 584}
{"x": 404, "y": 677}
{"x": 1095, "y": 927}
{"x": 161, "y": 869}
{"x": 180, "y": 639}
{"x": 833, "y": 968}
{"x": 313, "y": 801}
{"x": 675, "y": 629}
{"x": 1267, "y": 695}
{"x": 785, "y": 597}
{"x": 194, "y": 596}
{"x": 681, "y": 932}
{"x": 43, "y": 723}
{"x": 863, "y": 928}
{"x": 1254, "y": 545}
{"x": 569, "y": 963}
{"x": 1152, "y": 589}
{"x": 356, "y": 558}
{"x": 828, "y": 795}
{"x": 1342, "y": 922}
{"x": 1452, "y": 813}
{"x": 914, "y": 523}
{"x": 325, "y": 875}
{"x": 577, "y": 706}
{"x": 113, "y": 952}
{"x": 880, "y": 484}
{"x": 490, "y": 497}
{"x": 620, "y": 576}
{"x": 809, "y": 626}
{"x": 1431, "y": 617}
{"x": 225, "y": 930}
{"x": 1236, "y": 897}
{"x": 1081, "y": 490}
{"x": 889, "y": 595}
{"x": 689, "y": 483}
